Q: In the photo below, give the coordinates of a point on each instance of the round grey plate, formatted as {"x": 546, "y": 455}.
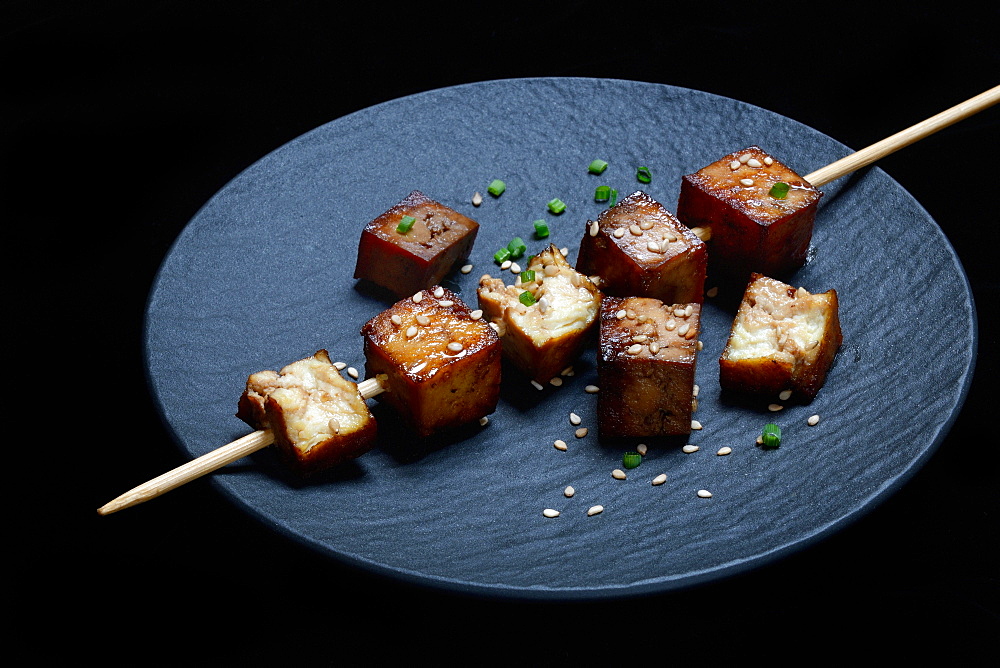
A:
{"x": 262, "y": 276}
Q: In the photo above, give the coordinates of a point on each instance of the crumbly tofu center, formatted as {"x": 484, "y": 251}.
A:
{"x": 317, "y": 402}
{"x": 786, "y": 328}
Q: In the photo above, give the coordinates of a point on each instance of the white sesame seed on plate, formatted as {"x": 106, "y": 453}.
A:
{"x": 595, "y": 510}
{"x": 466, "y": 268}
{"x": 591, "y": 389}
{"x": 618, "y": 474}
{"x": 352, "y": 372}
{"x": 784, "y": 395}
{"x": 555, "y": 381}
{"x": 581, "y": 432}
{"x": 483, "y": 421}
{"x": 774, "y": 408}
{"x": 569, "y": 491}
{"x": 560, "y": 444}
{"x": 695, "y": 425}
{"x": 575, "y": 419}
{"x": 537, "y": 385}
{"x": 813, "y": 420}
{"x": 506, "y": 264}
{"x": 660, "y": 479}
{"x": 724, "y": 450}
{"x": 704, "y": 493}
{"x": 689, "y": 448}
{"x": 340, "y": 366}
{"x": 550, "y": 512}
{"x": 477, "y": 199}
{"x": 515, "y": 267}
{"x": 642, "y": 449}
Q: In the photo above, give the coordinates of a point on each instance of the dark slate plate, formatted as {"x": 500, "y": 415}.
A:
{"x": 263, "y": 275}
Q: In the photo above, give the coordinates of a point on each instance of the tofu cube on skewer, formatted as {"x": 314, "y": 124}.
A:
{"x": 752, "y": 228}
{"x": 544, "y": 331}
{"x": 646, "y": 365}
{"x": 637, "y": 248}
{"x": 414, "y": 245}
{"x": 441, "y": 362}
{"x": 317, "y": 416}
{"x": 782, "y": 338}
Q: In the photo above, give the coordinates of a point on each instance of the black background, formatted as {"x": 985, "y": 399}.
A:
{"x": 125, "y": 118}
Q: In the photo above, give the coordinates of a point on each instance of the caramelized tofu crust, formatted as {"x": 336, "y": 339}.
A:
{"x": 544, "y": 338}
{"x": 317, "y": 416}
{"x": 782, "y": 338}
{"x": 646, "y": 365}
{"x": 639, "y": 249}
{"x": 404, "y": 262}
{"x": 442, "y": 363}
{"x": 750, "y": 229}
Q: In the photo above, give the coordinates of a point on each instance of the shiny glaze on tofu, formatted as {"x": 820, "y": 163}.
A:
{"x": 404, "y": 262}
{"x": 317, "y": 416}
{"x": 544, "y": 338}
{"x": 639, "y": 249}
{"x": 782, "y": 338}
{"x": 441, "y": 362}
{"x": 646, "y": 365}
{"x": 750, "y": 229}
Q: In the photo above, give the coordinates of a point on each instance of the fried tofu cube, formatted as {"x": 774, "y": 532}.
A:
{"x": 782, "y": 338}
{"x": 544, "y": 336}
{"x": 442, "y": 361}
{"x": 646, "y": 367}
{"x": 639, "y": 249}
{"x": 404, "y": 262}
{"x": 751, "y": 229}
{"x": 317, "y": 416}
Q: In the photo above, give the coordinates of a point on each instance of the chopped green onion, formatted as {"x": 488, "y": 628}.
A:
{"x": 602, "y": 193}
{"x": 614, "y": 198}
{"x": 527, "y": 276}
{"x": 516, "y": 248}
{"x": 779, "y": 190}
{"x": 643, "y": 175}
{"x": 597, "y": 167}
{"x": 771, "y": 435}
{"x": 526, "y": 298}
{"x": 405, "y": 223}
{"x": 556, "y": 206}
{"x": 501, "y": 255}
{"x": 631, "y": 459}
{"x": 497, "y": 187}
{"x": 541, "y": 229}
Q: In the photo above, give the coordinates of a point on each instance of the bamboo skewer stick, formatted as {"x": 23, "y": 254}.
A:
{"x": 903, "y": 138}
{"x": 211, "y": 461}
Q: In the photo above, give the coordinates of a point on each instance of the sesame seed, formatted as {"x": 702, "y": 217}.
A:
{"x": 455, "y": 347}
{"x": 639, "y": 338}
{"x": 418, "y": 368}
{"x": 515, "y": 267}
{"x": 550, "y": 270}
{"x": 568, "y": 371}
{"x": 477, "y": 199}
{"x": 411, "y": 331}
{"x": 333, "y": 425}
{"x": 695, "y": 425}
{"x": 774, "y": 408}
{"x": 581, "y": 432}
{"x": 753, "y": 162}
{"x": 745, "y": 158}
{"x": 660, "y": 479}
{"x": 646, "y": 225}
{"x": 564, "y": 251}
{"x": 618, "y": 474}
{"x": 550, "y": 512}
{"x": 569, "y": 491}
{"x": 654, "y": 347}
{"x": 634, "y": 349}
{"x": 704, "y": 493}
{"x": 423, "y": 319}
{"x": 696, "y": 390}
{"x": 446, "y": 302}
{"x": 352, "y": 372}
{"x": 575, "y": 419}
{"x": 595, "y": 510}
{"x": 734, "y": 165}
{"x": 537, "y": 385}
{"x": 630, "y": 314}
{"x": 556, "y": 381}
{"x": 477, "y": 314}
{"x": 620, "y": 314}
{"x": 559, "y": 444}
{"x": 683, "y": 329}
{"x": 483, "y": 421}
{"x": 784, "y": 395}
{"x": 506, "y": 265}
{"x": 689, "y": 448}
{"x": 746, "y": 182}
{"x": 813, "y": 420}
{"x": 768, "y": 160}
{"x": 635, "y": 229}
{"x": 591, "y": 389}
{"x": 496, "y": 327}
{"x": 439, "y": 292}
{"x": 712, "y": 292}
{"x": 619, "y": 233}
{"x": 641, "y": 449}
{"x": 594, "y": 228}
{"x": 340, "y": 366}
{"x": 543, "y": 305}
{"x": 466, "y": 268}
{"x": 653, "y": 247}
{"x": 396, "y": 320}
{"x": 724, "y": 450}
{"x": 670, "y": 325}
{"x": 691, "y": 333}
{"x": 417, "y": 297}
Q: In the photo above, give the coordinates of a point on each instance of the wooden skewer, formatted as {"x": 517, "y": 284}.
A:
{"x": 903, "y": 138}
{"x": 211, "y": 461}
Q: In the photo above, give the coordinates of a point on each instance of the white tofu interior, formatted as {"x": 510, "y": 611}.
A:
{"x": 778, "y": 326}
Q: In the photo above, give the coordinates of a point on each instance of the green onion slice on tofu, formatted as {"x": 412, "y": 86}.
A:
{"x": 779, "y": 190}
{"x": 526, "y": 298}
{"x": 405, "y": 224}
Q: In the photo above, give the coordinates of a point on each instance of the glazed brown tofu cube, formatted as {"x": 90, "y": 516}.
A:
{"x": 646, "y": 367}
{"x": 317, "y": 416}
{"x": 408, "y": 261}
{"x": 639, "y": 249}
{"x": 751, "y": 230}
{"x": 441, "y": 361}
{"x": 782, "y": 338}
{"x": 545, "y": 336}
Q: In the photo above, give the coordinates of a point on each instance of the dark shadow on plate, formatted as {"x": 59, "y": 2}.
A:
{"x": 267, "y": 462}
{"x": 396, "y": 438}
